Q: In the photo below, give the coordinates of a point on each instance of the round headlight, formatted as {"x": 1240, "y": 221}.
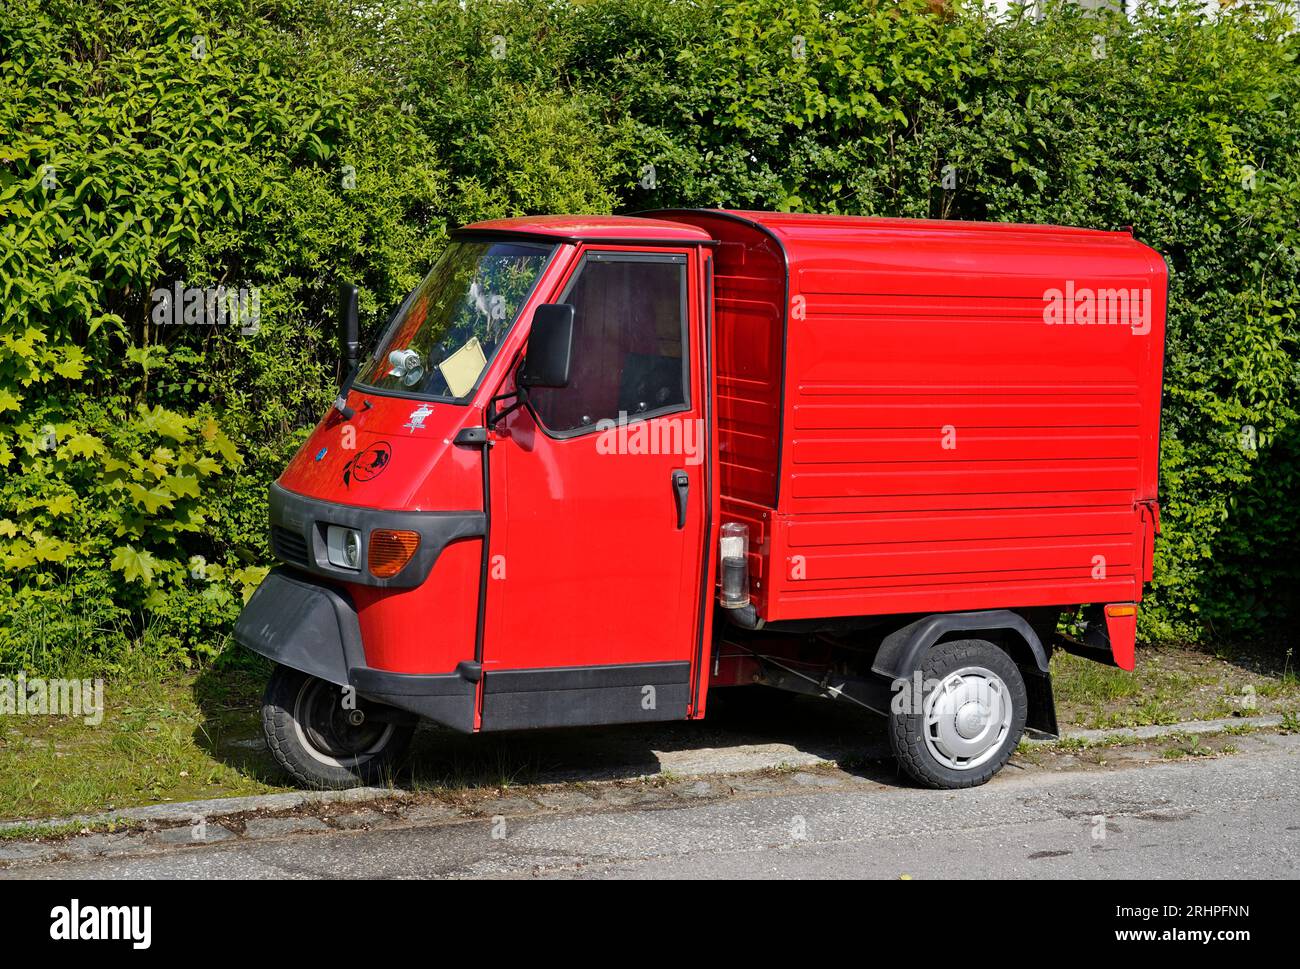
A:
{"x": 343, "y": 547}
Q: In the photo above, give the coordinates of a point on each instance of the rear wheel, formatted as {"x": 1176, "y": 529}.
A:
{"x": 969, "y": 719}
{"x": 323, "y": 739}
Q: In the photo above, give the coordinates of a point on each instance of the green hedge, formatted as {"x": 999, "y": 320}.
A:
{"x": 285, "y": 144}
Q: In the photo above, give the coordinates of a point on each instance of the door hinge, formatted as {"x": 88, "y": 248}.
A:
{"x": 1150, "y": 508}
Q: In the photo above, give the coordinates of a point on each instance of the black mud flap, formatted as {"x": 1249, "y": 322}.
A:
{"x": 306, "y": 625}
{"x": 1041, "y": 715}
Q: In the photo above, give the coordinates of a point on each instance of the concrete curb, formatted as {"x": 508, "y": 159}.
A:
{"x": 186, "y": 812}
{"x": 1164, "y": 730}
{"x": 764, "y": 757}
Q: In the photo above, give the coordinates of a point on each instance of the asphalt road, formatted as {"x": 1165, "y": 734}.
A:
{"x": 1235, "y": 816}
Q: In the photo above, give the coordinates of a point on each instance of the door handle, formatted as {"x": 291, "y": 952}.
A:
{"x": 681, "y": 488}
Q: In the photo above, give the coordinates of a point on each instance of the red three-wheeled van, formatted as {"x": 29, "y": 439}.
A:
{"x": 598, "y": 467}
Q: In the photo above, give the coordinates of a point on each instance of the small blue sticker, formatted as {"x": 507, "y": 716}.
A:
{"x": 321, "y": 453}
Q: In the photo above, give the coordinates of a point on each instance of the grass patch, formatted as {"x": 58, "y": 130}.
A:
{"x": 174, "y": 739}
{"x": 36, "y": 830}
{"x": 1171, "y": 685}
{"x": 1081, "y": 744}
{"x": 1190, "y": 745}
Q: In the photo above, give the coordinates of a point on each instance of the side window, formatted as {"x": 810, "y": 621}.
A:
{"x": 629, "y": 339}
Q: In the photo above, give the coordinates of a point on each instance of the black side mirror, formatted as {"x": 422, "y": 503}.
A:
{"x": 550, "y": 347}
{"x": 349, "y": 328}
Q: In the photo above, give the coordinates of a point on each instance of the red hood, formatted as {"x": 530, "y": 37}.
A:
{"x": 401, "y": 456}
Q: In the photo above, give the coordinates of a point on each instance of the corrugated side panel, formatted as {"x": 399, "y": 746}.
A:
{"x": 947, "y": 449}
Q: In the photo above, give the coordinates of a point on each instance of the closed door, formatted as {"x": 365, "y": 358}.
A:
{"x": 604, "y": 510}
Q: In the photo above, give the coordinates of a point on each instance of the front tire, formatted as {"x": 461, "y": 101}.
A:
{"x": 314, "y": 736}
{"x": 970, "y": 717}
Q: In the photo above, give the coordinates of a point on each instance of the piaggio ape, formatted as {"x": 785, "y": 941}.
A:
{"x": 597, "y": 467}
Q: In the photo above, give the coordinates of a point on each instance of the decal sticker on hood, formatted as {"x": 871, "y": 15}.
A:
{"x": 367, "y": 465}
{"x": 416, "y": 420}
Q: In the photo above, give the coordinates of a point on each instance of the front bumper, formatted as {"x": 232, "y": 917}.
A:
{"x": 300, "y": 622}
{"x": 298, "y": 526}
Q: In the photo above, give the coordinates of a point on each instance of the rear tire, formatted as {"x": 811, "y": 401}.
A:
{"x": 972, "y": 713}
{"x": 311, "y": 734}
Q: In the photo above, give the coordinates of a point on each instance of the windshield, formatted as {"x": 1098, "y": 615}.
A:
{"x": 449, "y": 329}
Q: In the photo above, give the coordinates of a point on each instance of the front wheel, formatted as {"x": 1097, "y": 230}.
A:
{"x": 324, "y": 736}
{"x": 967, "y": 720}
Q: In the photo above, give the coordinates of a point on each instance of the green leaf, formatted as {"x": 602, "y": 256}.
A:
{"x": 84, "y": 445}
{"x": 164, "y": 422}
{"x": 135, "y": 565}
{"x": 182, "y": 486}
{"x": 150, "y": 499}
{"x": 61, "y": 505}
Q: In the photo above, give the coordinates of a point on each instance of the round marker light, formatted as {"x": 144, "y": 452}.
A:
{"x": 390, "y": 550}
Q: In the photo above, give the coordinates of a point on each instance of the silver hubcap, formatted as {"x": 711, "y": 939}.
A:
{"x": 967, "y": 717}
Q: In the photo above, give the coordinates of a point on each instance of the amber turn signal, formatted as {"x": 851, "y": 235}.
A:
{"x": 1116, "y": 612}
{"x": 390, "y": 550}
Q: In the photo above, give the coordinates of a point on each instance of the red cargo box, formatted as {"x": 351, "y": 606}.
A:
{"x": 920, "y": 416}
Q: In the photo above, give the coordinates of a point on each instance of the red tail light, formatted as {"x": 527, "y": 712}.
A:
{"x": 390, "y": 551}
